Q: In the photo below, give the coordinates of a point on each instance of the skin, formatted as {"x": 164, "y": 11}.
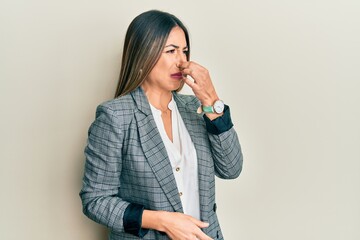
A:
{"x": 158, "y": 87}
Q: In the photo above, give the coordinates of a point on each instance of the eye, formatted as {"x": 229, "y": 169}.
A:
{"x": 170, "y": 51}
{"x": 186, "y": 52}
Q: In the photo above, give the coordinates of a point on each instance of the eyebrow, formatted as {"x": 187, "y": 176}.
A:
{"x": 175, "y": 46}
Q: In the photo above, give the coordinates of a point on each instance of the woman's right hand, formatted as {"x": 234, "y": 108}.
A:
{"x": 175, "y": 225}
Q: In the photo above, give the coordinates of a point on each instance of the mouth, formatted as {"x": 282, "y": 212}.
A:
{"x": 177, "y": 75}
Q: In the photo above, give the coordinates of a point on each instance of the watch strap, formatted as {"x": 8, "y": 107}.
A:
{"x": 208, "y": 109}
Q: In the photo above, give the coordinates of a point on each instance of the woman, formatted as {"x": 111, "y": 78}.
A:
{"x": 151, "y": 157}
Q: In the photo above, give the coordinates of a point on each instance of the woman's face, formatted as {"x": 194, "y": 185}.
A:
{"x": 166, "y": 76}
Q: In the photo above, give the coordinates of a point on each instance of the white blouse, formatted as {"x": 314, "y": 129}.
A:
{"x": 183, "y": 159}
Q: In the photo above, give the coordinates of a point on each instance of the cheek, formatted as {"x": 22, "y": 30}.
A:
{"x": 166, "y": 63}
{"x": 164, "y": 66}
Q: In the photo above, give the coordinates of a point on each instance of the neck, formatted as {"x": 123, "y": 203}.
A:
{"x": 159, "y": 99}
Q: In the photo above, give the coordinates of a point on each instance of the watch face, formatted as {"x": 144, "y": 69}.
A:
{"x": 219, "y": 106}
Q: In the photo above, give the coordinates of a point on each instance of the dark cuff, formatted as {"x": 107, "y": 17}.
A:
{"x": 221, "y": 124}
{"x": 132, "y": 220}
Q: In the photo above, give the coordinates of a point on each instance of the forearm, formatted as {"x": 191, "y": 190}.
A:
{"x": 226, "y": 151}
{"x": 105, "y": 210}
{"x": 225, "y": 145}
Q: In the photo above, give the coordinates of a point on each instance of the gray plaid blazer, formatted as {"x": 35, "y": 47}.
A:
{"x": 126, "y": 162}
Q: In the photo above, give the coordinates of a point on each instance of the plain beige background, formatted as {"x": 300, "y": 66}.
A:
{"x": 288, "y": 69}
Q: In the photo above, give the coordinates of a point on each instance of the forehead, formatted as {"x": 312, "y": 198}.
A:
{"x": 177, "y": 37}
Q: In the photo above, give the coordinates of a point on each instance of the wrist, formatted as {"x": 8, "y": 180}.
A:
{"x": 154, "y": 220}
{"x": 162, "y": 221}
{"x": 209, "y": 101}
{"x": 213, "y": 116}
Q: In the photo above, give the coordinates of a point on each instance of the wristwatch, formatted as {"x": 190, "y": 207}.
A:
{"x": 218, "y": 107}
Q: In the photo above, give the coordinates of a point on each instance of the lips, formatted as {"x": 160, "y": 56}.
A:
{"x": 177, "y": 75}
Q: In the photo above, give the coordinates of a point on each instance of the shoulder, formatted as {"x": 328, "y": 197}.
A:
{"x": 120, "y": 109}
{"x": 119, "y": 105}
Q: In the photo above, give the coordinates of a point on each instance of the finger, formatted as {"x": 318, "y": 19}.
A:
{"x": 199, "y": 223}
{"x": 202, "y": 236}
{"x": 187, "y": 71}
{"x": 190, "y": 83}
{"x": 203, "y": 224}
{"x": 205, "y": 238}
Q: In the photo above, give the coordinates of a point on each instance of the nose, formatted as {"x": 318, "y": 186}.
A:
{"x": 181, "y": 58}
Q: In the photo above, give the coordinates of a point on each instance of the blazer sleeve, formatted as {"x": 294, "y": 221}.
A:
{"x": 101, "y": 181}
{"x": 225, "y": 146}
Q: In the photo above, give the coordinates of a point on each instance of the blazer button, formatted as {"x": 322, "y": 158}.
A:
{"x": 180, "y": 193}
{"x": 177, "y": 169}
{"x": 214, "y": 207}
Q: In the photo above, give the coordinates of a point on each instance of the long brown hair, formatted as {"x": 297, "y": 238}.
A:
{"x": 144, "y": 41}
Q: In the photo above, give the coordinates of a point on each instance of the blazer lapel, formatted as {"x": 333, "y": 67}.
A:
{"x": 198, "y": 134}
{"x": 154, "y": 149}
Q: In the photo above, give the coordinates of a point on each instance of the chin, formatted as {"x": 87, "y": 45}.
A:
{"x": 174, "y": 85}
